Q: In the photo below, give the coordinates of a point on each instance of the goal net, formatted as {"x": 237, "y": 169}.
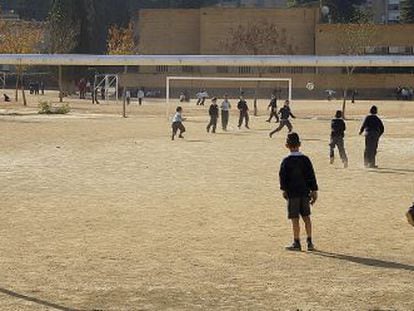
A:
{"x": 183, "y": 88}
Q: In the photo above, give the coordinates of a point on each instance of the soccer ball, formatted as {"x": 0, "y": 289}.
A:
{"x": 310, "y": 86}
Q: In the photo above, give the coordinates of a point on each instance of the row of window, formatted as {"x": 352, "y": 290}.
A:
{"x": 393, "y": 7}
{"x": 381, "y": 50}
{"x": 243, "y": 69}
{"x": 273, "y": 70}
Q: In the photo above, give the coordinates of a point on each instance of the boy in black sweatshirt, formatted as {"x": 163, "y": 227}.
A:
{"x": 373, "y": 128}
{"x": 338, "y": 128}
{"x": 244, "y": 112}
{"x": 285, "y": 113}
{"x": 300, "y": 189}
{"x": 214, "y": 114}
{"x": 273, "y": 109}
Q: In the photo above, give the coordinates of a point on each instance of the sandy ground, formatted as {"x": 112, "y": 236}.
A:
{"x": 105, "y": 213}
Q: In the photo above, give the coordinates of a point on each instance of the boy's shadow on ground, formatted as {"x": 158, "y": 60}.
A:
{"x": 312, "y": 139}
{"x": 197, "y": 141}
{"x": 395, "y": 171}
{"x": 402, "y": 170}
{"x": 364, "y": 261}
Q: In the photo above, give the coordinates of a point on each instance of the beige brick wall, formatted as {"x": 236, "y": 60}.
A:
{"x": 203, "y": 31}
{"x": 299, "y": 25}
{"x": 169, "y": 31}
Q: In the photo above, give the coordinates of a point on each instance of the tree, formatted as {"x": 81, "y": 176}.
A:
{"x": 353, "y": 40}
{"x": 407, "y": 11}
{"x": 121, "y": 40}
{"x": 343, "y": 11}
{"x": 95, "y": 19}
{"x": 62, "y": 33}
{"x": 20, "y": 38}
{"x": 91, "y": 19}
{"x": 260, "y": 38}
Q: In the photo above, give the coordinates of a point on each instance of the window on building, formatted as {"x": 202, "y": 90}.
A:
{"x": 309, "y": 70}
{"x": 376, "y": 50}
{"x": 286, "y": 70}
{"x": 393, "y": 16}
{"x": 222, "y": 69}
{"x": 297, "y": 69}
{"x": 162, "y": 68}
{"x": 393, "y": 7}
{"x": 188, "y": 69}
{"x": 134, "y": 69}
{"x": 244, "y": 69}
{"x": 402, "y": 50}
{"x": 274, "y": 69}
{"x": 370, "y": 50}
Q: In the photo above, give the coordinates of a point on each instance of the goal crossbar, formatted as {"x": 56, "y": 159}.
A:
{"x": 240, "y": 79}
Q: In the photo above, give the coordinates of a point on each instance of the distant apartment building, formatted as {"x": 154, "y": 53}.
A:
{"x": 385, "y": 11}
{"x": 393, "y": 11}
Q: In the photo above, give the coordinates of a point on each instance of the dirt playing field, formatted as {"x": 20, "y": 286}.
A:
{"x": 104, "y": 213}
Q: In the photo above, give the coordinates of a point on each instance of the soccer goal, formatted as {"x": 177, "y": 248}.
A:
{"x": 170, "y": 79}
{"x": 108, "y": 84}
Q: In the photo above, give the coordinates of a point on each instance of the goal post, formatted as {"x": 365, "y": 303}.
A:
{"x": 169, "y": 79}
{"x": 3, "y": 80}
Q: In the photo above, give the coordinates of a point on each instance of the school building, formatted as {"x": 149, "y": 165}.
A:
{"x": 205, "y": 31}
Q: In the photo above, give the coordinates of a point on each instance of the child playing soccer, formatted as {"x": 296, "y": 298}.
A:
{"x": 225, "y": 112}
{"x": 177, "y": 123}
{"x": 300, "y": 189}
{"x": 273, "y": 109}
{"x": 338, "y": 128}
{"x": 244, "y": 112}
{"x": 373, "y": 129}
{"x": 285, "y": 113}
{"x": 214, "y": 114}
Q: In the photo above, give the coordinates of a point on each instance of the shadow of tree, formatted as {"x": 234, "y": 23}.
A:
{"x": 36, "y": 300}
{"x": 365, "y": 261}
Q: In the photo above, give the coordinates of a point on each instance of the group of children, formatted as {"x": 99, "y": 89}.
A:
{"x": 372, "y": 126}
{"x": 296, "y": 175}
{"x": 214, "y": 111}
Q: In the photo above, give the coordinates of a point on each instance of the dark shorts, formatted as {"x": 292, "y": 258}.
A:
{"x": 178, "y": 126}
{"x": 298, "y": 207}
